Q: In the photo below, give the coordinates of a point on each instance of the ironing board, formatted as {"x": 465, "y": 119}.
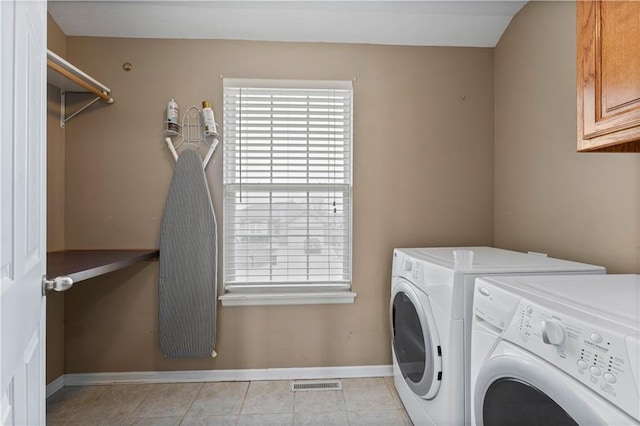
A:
{"x": 188, "y": 264}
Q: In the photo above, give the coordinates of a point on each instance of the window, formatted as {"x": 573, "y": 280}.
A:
{"x": 287, "y": 191}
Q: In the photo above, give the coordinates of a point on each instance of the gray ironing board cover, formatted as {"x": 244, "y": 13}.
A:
{"x": 188, "y": 264}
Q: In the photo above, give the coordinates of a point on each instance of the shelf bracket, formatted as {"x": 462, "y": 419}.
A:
{"x": 63, "y": 108}
{"x": 69, "y": 78}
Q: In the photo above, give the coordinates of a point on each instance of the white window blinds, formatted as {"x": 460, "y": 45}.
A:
{"x": 287, "y": 185}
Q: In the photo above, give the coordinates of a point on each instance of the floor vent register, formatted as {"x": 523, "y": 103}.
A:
{"x": 316, "y": 385}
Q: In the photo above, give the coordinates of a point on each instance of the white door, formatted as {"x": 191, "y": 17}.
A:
{"x": 22, "y": 211}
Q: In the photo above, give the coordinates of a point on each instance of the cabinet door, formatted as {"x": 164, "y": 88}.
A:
{"x": 608, "y": 75}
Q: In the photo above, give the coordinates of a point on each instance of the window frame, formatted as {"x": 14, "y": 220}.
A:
{"x": 305, "y": 292}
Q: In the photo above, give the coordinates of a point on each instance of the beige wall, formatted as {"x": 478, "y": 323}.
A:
{"x": 56, "y": 41}
{"x": 423, "y": 176}
{"x": 548, "y": 198}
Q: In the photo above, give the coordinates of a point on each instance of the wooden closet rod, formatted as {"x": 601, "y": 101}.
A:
{"x": 79, "y": 81}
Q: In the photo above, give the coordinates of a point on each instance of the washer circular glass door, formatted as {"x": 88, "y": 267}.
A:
{"x": 509, "y": 401}
{"x": 514, "y": 390}
{"x": 415, "y": 340}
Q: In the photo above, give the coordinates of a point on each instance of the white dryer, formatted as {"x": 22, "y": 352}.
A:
{"x": 561, "y": 350}
{"x": 430, "y": 311}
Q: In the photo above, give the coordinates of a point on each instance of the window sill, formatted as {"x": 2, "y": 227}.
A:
{"x": 262, "y": 299}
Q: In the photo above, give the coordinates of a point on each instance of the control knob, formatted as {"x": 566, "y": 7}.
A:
{"x": 552, "y": 332}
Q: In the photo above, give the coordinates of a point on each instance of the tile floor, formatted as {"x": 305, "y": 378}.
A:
{"x": 367, "y": 401}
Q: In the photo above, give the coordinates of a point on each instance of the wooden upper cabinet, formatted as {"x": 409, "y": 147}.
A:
{"x": 608, "y": 75}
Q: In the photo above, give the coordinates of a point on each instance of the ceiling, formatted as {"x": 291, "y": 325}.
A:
{"x": 476, "y": 23}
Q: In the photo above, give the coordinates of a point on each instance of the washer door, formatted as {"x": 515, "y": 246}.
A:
{"x": 415, "y": 339}
{"x": 509, "y": 401}
{"x": 517, "y": 388}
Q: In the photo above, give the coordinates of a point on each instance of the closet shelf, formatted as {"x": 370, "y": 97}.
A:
{"x": 84, "y": 264}
{"x": 69, "y": 78}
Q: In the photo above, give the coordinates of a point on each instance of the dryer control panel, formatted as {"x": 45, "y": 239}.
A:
{"x": 407, "y": 267}
{"x": 597, "y": 352}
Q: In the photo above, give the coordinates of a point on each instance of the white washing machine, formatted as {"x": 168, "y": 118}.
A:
{"x": 431, "y": 304}
{"x": 557, "y": 350}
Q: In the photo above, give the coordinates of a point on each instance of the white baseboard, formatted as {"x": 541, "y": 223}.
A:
{"x": 55, "y": 386}
{"x": 227, "y": 375}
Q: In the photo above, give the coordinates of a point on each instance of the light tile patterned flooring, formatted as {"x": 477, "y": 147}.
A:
{"x": 367, "y": 401}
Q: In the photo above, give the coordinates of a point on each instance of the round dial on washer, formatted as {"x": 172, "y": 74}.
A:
{"x": 552, "y": 332}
